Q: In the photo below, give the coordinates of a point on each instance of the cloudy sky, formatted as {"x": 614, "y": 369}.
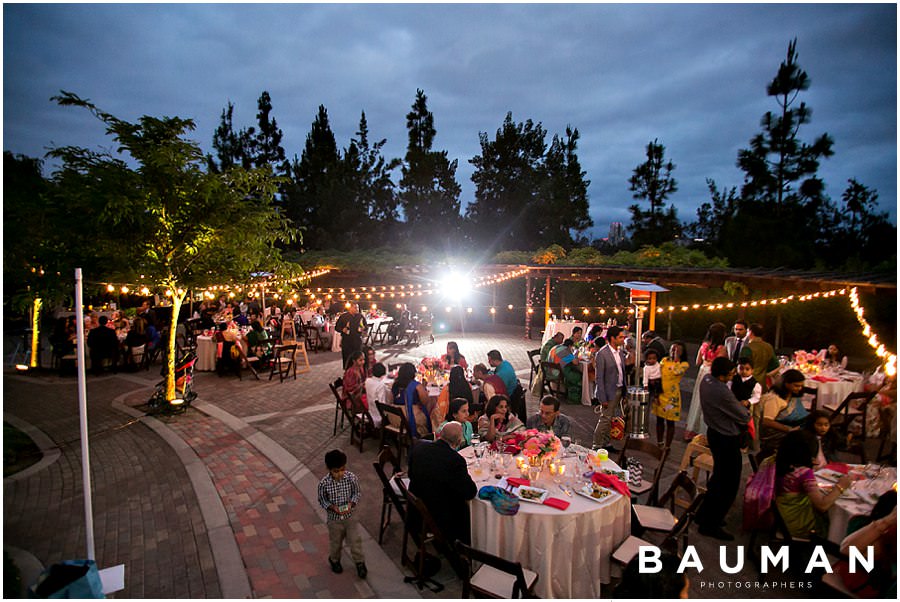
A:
{"x": 691, "y": 76}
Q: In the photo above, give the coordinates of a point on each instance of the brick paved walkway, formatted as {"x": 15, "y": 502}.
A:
{"x": 220, "y": 501}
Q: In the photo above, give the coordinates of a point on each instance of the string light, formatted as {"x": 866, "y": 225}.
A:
{"x": 889, "y": 359}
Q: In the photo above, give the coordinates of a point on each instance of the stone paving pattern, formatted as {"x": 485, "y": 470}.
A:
{"x": 261, "y": 444}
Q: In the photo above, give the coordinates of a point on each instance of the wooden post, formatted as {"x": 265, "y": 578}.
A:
{"x": 547, "y": 303}
{"x": 652, "y": 325}
{"x": 778, "y": 328}
{"x": 528, "y": 307}
{"x": 669, "y": 327}
{"x": 494, "y": 302}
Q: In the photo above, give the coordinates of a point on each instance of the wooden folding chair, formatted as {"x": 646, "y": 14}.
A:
{"x": 496, "y": 577}
{"x": 391, "y": 494}
{"x": 284, "y": 361}
{"x": 554, "y": 380}
{"x": 660, "y": 454}
{"x": 423, "y": 533}
{"x": 246, "y": 361}
{"x": 534, "y": 360}
{"x": 393, "y": 425}
{"x": 845, "y": 413}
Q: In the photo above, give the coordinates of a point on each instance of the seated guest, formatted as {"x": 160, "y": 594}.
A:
{"x": 457, "y": 386}
{"x": 800, "y": 502}
{"x": 355, "y": 380}
{"x": 834, "y": 359}
{"x": 564, "y": 356}
{"x": 782, "y": 410}
{"x": 103, "y": 345}
{"x": 370, "y": 360}
{"x": 413, "y": 396}
{"x": 819, "y": 424}
{"x": 556, "y": 339}
{"x": 504, "y": 370}
{"x": 596, "y": 332}
{"x": 549, "y": 418}
{"x": 319, "y": 321}
{"x": 491, "y": 384}
{"x": 881, "y": 534}
{"x": 136, "y": 337}
{"x": 459, "y": 412}
{"x": 497, "y": 421}
{"x": 59, "y": 339}
{"x": 453, "y": 357}
{"x": 258, "y": 338}
{"x": 438, "y": 476}
{"x": 377, "y": 391}
{"x": 153, "y": 335}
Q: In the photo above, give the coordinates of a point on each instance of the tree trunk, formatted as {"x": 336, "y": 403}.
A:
{"x": 177, "y": 300}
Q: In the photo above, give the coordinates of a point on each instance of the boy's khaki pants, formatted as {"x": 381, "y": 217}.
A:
{"x": 338, "y": 530}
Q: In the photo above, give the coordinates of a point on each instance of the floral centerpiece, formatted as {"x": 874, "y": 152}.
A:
{"x": 430, "y": 369}
{"x": 536, "y": 445}
{"x": 808, "y": 361}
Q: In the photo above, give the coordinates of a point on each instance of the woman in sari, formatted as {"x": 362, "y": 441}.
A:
{"x": 801, "y": 503}
{"x": 713, "y": 346}
{"x": 783, "y": 411}
{"x": 413, "y": 397}
{"x": 457, "y": 386}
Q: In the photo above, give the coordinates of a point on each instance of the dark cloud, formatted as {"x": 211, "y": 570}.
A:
{"x": 691, "y": 76}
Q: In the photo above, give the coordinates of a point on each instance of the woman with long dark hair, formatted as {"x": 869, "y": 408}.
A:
{"x": 498, "y": 421}
{"x": 459, "y": 411}
{"x": 801, "y": 503}
{"x": 457, "y": 386}
{"x": 453, "y": 357}
{"x": 782, "y": 410}
{"x": 713, "y": 346}
{"x": 413, "y": 396}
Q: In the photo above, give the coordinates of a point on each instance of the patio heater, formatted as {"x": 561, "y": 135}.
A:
{"x": 641, "y": 295}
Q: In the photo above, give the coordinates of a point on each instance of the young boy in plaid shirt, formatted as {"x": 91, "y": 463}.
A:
{"x": 339, "y": 495}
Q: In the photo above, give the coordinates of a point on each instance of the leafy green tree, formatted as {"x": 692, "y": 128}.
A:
{"x": 429, "y": 192}
{"x": 715, "y": 228}
{"x": 652, "y": 181}
{"x": 167, "y": 218}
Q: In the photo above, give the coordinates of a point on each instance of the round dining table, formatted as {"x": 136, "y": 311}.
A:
{"x": 206, "y": 354}
{"x": 859, "y": 499}
{"x": 564, "y": 326}
{"x": 831, "y": 390}
{"x": 569, "y": 549}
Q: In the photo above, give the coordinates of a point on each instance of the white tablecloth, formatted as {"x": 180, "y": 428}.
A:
{"x": 206, "y": 354}
{"x": 570, "y": 549}
{"x": 831, "y": 394}
{"x": 563, "y": 326}
{"x": 848, "y": 506}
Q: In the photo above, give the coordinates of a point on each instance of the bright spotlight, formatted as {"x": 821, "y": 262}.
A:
{"x": 456, "y": 284}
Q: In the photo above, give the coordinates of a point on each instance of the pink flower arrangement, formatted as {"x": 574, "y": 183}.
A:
{"x": 808, "y": 357}
{"x": 429, "y": 363}
{"x": 536, "y": 444}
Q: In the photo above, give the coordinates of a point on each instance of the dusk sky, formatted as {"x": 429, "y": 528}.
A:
{"x": 692, "y": 76}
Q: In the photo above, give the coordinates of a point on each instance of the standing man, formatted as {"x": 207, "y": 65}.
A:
{"x": 504, "y": 370}
{"x": 761, "y": 354}
{"x": 735, "y": 344}
{"x": 351, "y": 324}
{"x": 609, "y": 386}
{"x": 651, "y": 340}
{"x": 726, "y": 419}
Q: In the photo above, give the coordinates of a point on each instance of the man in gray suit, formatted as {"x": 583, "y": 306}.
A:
{"x": 610, "y": 384}
{"x": 735, "y": 344}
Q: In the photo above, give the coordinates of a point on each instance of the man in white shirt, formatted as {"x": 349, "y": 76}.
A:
{"x": 377, "y": 391}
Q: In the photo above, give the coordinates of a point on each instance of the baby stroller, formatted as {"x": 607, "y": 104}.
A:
{"x": 184, "y": 389}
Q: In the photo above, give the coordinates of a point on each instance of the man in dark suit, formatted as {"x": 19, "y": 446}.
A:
{"x": 651, "y": 340}
{"x": 438, "y": 476}
{"x": 103, "y": 345}
{"x": 351, "y": 325}
{"x": 610, "y": 384}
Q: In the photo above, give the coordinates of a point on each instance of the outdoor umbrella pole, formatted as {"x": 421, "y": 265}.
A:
{"x": 82, "y": 414}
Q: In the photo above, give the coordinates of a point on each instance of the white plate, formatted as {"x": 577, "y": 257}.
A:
{"x": 539, "y": 499}
{"x": 586, "y": 490}
{"x": 829, "y": 475}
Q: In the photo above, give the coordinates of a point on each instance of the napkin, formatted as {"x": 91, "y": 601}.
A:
{"x": 611, "y": 482}
{"x": 556, "y": 503}
{"x": 824, "y": 379}
{"x": 838, "y": 467}
{"x": 518, "y": 482}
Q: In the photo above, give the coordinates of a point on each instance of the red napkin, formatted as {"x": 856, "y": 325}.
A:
{"x": 838, "y": 467}
{"x": 556, "y": 503}
{"x": 824, "y": 379}
{"x": 611, "y": 482}
{"x": 518, "y": 482}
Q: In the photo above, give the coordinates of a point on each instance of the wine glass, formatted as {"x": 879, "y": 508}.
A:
{"x": 566, "y": 442}
{"x": 478, "y": 449}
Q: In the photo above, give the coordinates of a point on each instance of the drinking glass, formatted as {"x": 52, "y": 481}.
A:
{"x": 566, "y": 442}
{"x": 478, "y": 449}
